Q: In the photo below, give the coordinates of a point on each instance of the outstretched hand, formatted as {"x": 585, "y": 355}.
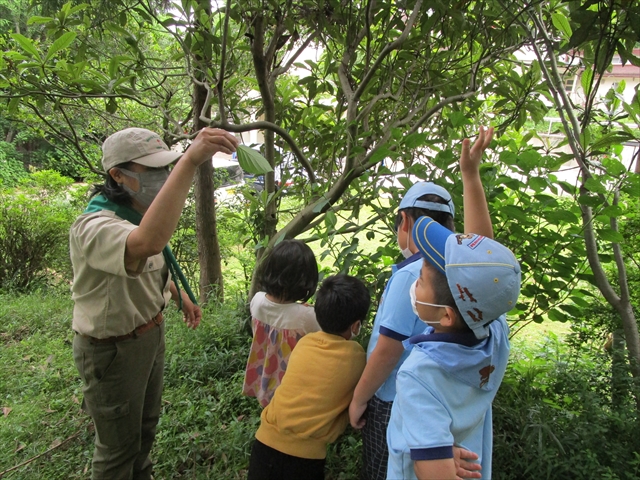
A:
{"x": 470, "y": 157}
{"x": 208, "y": 142}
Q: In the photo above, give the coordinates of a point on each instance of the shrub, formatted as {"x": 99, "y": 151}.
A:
{"x": 34, "y": 223}
{"x": 554, "y": 418}
{"x": 11, "y": 167}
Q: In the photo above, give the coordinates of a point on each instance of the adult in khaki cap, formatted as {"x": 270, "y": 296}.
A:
{"x": 121, "y": 285}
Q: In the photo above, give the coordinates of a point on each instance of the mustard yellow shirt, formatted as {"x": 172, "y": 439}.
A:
{"x": 309, "y": 408}
{"x": 108, "y": 299}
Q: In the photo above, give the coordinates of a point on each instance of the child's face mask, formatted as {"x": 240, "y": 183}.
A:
{"x": 356, "y": 333}
{"x": 414, "y": 301}
{"x": 149, "y": 184}
{"x": 406, "y": 253}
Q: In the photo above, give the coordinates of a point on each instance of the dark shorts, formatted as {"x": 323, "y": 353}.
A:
{"x": 375, "y": 453}
{"x": 267, "y": 463}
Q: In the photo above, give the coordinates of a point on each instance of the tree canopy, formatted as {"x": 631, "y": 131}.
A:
{"x": 391, "y": 90}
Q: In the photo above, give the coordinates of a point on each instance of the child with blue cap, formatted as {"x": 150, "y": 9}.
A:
{"x": 446, "y": 386}
{"x": 395, "y": 320}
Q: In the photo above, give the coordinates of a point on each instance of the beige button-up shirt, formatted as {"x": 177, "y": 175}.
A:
{"x": 109, "y": 300}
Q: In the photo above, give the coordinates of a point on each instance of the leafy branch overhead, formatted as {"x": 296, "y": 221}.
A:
{"x": 354, "y": 101}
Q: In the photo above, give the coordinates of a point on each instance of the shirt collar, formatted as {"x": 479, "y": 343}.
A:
{"x": 467, "y": 339}
{"x": 408, "y": 261}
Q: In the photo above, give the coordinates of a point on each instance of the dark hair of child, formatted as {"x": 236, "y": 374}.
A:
{"x": 443, "y": 293}
{"x": 290, "y": 272}
{"x": 443, "y": 218}
{"x": 112, "y": 190}
{"x": 341, "y": 300}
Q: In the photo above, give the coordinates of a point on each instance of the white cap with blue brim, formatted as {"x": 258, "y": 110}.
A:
{"x": 412, "y": 198}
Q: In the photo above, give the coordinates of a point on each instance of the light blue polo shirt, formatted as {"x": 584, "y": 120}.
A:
{"x": 395, "y": 317}
{"x": 445, "y": 391}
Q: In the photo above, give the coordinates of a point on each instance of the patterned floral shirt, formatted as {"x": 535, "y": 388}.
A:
{"x": 276, "y": 328}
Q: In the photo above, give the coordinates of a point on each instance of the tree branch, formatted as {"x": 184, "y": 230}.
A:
{"x": 388, "y": 48}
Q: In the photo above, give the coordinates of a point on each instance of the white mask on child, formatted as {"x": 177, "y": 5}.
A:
{"x": 353, "y": 335}
{"x": 406, "y": 253}
{"x": 412, "y": 294}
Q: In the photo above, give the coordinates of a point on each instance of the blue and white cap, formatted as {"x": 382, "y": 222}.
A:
{"x": 411, "y": 198}
{"x": 483, "y": 275}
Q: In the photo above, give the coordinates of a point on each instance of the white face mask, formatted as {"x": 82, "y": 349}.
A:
{"x": 353, "y": 335}
{"x": 414, "y": 301}
{"x": 406, "y": 253}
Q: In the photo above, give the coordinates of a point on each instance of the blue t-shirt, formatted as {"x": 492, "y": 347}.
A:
{"x": 445, "y": 391}
{"x": 395, "y": 317}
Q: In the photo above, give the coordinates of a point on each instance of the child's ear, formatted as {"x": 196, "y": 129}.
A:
{"x": 449, "y": 317}
{"x": 406, "y": 222}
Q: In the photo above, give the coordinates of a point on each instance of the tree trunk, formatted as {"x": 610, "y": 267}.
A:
{"x": 211, "y": 281}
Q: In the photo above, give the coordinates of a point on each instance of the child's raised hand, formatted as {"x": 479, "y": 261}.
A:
{"x": 470, "y": 157}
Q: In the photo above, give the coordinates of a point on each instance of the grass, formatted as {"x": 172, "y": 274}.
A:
{"x": 206, "y": 427}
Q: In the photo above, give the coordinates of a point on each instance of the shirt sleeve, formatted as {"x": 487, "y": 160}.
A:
{"x": 397, "y": 317}
{"x": 102, "y": 241}
{"x": 309, "y": 321}
{"x": 426, "y": 422}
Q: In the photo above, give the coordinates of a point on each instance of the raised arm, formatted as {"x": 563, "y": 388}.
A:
{"x": 476, "y": 211}
{"x": 161, "y": 219}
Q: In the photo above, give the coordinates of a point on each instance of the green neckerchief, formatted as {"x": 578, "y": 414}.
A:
{"x": 100, "y": 202}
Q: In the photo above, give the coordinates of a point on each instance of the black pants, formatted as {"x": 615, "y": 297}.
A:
{"x": 267, "y": 463}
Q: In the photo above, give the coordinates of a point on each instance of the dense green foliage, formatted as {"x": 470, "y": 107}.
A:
{"x": 34, "y": 225}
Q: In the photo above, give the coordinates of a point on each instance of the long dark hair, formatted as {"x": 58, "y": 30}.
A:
{"x": 112, "y": 189}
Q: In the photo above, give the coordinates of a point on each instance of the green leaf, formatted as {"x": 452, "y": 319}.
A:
{"x": 561, "y": 216}
{"x": 330, "y": 219}
{"x": 60, "y": 44}
{"x": 610, "y": 236}
{"x": 26, "y": 44}
{"x": 586, "y": 79}
{"x": 458, "y": 119}
{"x": 112, "y": 105}
{"x": 380, "y": 154}
{"x": 537, "y": 183}
{"x": 594, "y": 185}
{"x": 252, "y": 162}
{"x": 415, "y": 140}
{"x": 557, "y": 316}
{"x": 614, "y": 167}
{"x": 562, "y": 24}
{"x": 37, "y": 19}
{"x": 13, "y": 105}
{"x": 321, "y": 204}
{"x": 612, "y": 138}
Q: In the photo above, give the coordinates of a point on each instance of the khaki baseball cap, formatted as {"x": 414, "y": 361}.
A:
{"x": 137, "y": 145}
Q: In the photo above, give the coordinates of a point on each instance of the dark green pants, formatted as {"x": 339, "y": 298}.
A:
{"x": 122, "y": 393}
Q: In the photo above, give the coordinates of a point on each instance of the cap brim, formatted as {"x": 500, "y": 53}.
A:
{"x": 159, "y": 159}
{"x": 430, "y": 237}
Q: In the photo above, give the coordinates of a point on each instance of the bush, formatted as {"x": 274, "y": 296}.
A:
{"x": 554, "y": 418}
{"x": 11, "y": 167}
{"x": 34, "y": 226}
